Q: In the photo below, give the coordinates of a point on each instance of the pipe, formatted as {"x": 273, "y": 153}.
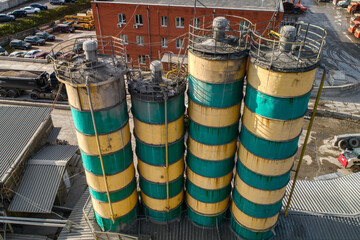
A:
{"x": 43, "y": 224}
{"x": 99, "y": 148}
{"x": 97, "y": 13}
{"x": 307, "y": 137}
{"x": 33, "y": 219}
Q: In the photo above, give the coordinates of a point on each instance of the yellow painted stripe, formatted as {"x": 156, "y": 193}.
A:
{"x": 211, "y": 152}
{"x": 120, "y": 208}
{"x": 279, "y": 83}
{"x": 208, "y": 183}
{"x": 258, "y": 196}
{"x": 115, "y": 182}
{"x": 264, "y": 166}
{"x": 271, "y": 129}
{"x": 109, "y": 143}
{"x": 216, "y": 71}
{"x": 214, "y": 117}
{"x": 161, "y": 204}
{"x": 252, "y": 223}
{"x": 155, "y": 133}
{"x": 157, "y": 174}
{"x": 103, "y": 95}
{"x": 207, "y": 208}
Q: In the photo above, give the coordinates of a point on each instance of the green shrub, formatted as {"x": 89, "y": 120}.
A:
{"x": 43, "y": 17}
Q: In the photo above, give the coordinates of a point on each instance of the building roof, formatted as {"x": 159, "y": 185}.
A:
{"x": 41, "y": 180}
{"x": 264, "y": 5}
{"x": 338, "y": 196}
{"x": 17, "y": 127}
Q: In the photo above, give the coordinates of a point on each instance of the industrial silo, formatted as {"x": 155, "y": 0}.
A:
{"x": 216, "y": 61}
{"x": 158, "y": 109}
{"x": 95, "y": 86}
{"x": 283, "y": 62}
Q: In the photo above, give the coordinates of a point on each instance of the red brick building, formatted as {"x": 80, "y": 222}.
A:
{"x": 153, "y": 27}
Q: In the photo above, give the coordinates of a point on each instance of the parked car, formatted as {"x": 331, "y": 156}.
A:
{"x": 3, "y": 52}
{"x": 31, "y": 54}
{"x": 46, "y": 36}
{"x": 6, "y": 18}
{"x": 18, "y": 44}
{"x": 350, "y": 158}
{"x": 61, "y": 2}
{"x": 67, "y": 56}
{"x": 18, "y": 54}
{"x": 31, "y": 10}
{"x": 34, "y": 40}
{"x": 39, "y": 6}
{"x": 18, "y": 13}
{"x": 53, "y": 55}
{"x": 65, "y": 28}
{"x": 41, "y": 54}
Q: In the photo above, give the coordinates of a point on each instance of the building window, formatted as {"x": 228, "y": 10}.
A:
{"x": 127, "y": 58}
{"x": 124, "y": 38}
{"x": 180, "y": 43}
{"x": 197, "y": 22}
{"x": 164, "y": 21}
{"x": 140, "y": 40}
{"x": 121, "y": 18}
{"x": 138, "y": 20}
{"x": 179, "y": 22}
{"x": 142, "y": 60}
{"x": 164, "y": 42}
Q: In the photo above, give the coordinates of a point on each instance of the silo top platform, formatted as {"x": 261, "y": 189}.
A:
{"x": 268, "y": 5}
{"x": 287, "y": 47}
{"x": 220, "y": 36}
{"x": 91, "y": 60}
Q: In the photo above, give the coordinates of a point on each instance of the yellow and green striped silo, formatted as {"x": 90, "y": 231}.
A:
{"x": 280, "y": 78}
{"x": 96, "y": 93}
{"x": 158, "y": 110}
{"x": 217, "y": 62}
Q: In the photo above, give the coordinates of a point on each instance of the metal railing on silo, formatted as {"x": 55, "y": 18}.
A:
{"x": 216, "y": 63}
{"x": 93, "y": 69}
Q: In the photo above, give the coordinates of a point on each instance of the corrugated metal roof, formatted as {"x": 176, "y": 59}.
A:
{"x": 53, "y": 135}
{"x": 317, "y": 227}
{"x": 41, "y": 180}
{"x": 14, "y": 236}
{"x": 79, "y": 227}
{"x": 17, "y": 126}
{"x": 340, "y": 196}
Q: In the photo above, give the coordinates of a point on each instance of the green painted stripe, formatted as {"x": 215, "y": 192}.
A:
{"x": 113, "y": 163}
{"x": 163, "y": 216}
{"x": 156, "y": 154}
{"x": 244, "y": 233}
{"x": 205, "y": 221}
{"x": 158, "y": 191}
{"x": 266, "y": 148}
{"x": 276, "y": 107}
{"x": 154, "y": 112}
{"x": 119, "y": 195}
{"x": 205, "y": 195}
{"x": 215, "y": 95}
{"x": 119, "y": 224}
{"x": 211, "y": 135}
{"x": 255, "y": 210}
{"x": 107, "y": 120}
{"x": 261, "y": 182}
{"x": 212, "y": 169}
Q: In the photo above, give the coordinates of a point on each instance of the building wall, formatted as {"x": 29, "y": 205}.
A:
{"x": 106, "y": 20}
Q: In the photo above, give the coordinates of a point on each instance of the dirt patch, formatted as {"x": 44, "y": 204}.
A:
{"x": 320, "y": 156}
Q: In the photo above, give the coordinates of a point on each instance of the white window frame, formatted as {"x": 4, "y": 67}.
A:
{"x": 121, "y": 18}
{"x": 164, "y": 42}
{"x": 124, "y": 38}
{"x": 142, "y": 59}
{"x": 179, "y": 43}
{"x": 179, "y": 22}
{"x": 138, "y": 19}
{"x": 163, "y": 21}
{"x": 140, "y": 40}
{"x": 197, "y": 22}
